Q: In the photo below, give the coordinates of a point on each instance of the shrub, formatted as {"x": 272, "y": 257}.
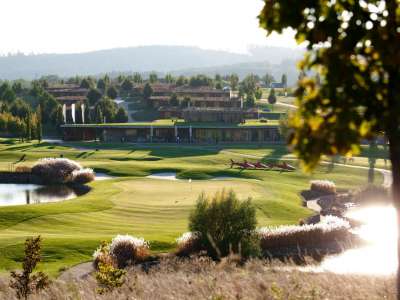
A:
{"x": 108, "y": 277}
{"x": 102, "y": 254}
{"x": 324, "y": 186}
{"x": 25, "y": 283}
{"x": 188, "y": 243}
{"x": 225, "y": 225}
{"x": 126, "y": 250}
{"x": 83, "y": 176}
{"x": 55, "y": 170}
{"x": 328, "y": 230}
{"x": 62, "y": 170}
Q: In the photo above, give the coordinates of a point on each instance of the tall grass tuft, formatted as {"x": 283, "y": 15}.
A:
{"x": 83, "y": 176}
{"x": 324, "y": 186}
{"x": 225, "y": 225}
{"x": 62, "y": 170}
{"x": 330, "y": 229}
{"x": 188, "y": 243}
{"x": 126, "y": 250}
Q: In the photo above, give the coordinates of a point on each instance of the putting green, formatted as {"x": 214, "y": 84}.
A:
{"x": 154, "y": 209}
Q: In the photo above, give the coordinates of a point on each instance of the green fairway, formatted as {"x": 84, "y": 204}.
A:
{"x": 154, "y": 209}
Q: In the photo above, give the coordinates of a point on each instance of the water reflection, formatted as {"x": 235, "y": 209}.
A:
{"x": 378, "y": 256}
{"x": 21, "y": 194}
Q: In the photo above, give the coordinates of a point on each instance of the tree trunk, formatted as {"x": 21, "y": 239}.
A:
{"x": 394, "y": 149}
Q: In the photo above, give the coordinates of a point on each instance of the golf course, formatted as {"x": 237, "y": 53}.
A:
{"x": 157, "y": 209}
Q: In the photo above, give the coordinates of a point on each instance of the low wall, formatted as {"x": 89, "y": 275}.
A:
{"x": 19, "y": 177}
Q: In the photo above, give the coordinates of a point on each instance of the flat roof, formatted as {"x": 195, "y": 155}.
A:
{"x": 166, "y": 123}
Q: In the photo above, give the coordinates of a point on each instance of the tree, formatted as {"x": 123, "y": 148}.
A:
{"x": 121, "y": 116}
{"x": 58, "y": 118}
{"x": 87, "y": 83}
{"x": 108, "y": 109}
{"x": 248, "y": 85}
{"x": 39, "y": 131}
{"x": 127, "y": 86}
{"x": 169, "y": 78}
{"x": 218, "y": 85}
{"x": 17, "y": 87}
{"x": 182, "y": 80}
{"x": 250, "y": 100}
{"x": 99, "y": 115}
{"x": 153, "y": 78}
{"x": 103, "y": 83}
{"x": 147, "y": 91}
{"x": 355, "y": 47}
{"x": 173, "y": 100}
{"x": 258, "y": 93}
{"x": 272, "y": 97}
{"x": 94, "y": 95}
{"x": 112, "y": 92}
{"x": 28, "y": 122}
{"x": 137, "y": 78}
{"x": 284, "y": 80}
{"x": 234, "y": 81}
{"x": 200, "y": 80}
{"x": 7, "y": 93}
{"x": 268, "y": 79}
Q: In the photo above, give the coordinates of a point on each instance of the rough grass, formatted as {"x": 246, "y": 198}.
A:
{"x": 157, "y": 210}
{"x": 203, "y": 279}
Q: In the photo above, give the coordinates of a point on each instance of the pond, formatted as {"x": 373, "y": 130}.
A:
{"x": 378, "y": 256}
{"x": 22, "y": 194}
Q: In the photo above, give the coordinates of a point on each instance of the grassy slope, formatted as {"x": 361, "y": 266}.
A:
{"x": 154, "y": 209}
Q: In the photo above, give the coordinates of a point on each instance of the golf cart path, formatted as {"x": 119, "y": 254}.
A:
{"x": 77, "y": 272}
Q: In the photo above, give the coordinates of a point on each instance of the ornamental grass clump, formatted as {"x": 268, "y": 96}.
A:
{"x": 330, "y": 229}
{"x": 225, "y": 225}
{"x": 83, "y": 176}
{"x": 324, "y": 186}
{"x": 188, "y": 243}
{"x": 62, "y": 170}
{"x": 127, "y": 250}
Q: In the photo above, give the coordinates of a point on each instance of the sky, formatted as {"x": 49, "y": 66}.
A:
{"x": 72, "y": 26}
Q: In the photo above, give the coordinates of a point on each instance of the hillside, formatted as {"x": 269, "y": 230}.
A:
{"x": 135, "y": 59}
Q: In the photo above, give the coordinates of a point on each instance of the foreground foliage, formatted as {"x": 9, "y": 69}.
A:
{"x": 225, "y": 225}
{"x": 204, "y": 279}
{"x": 107, "y": 276}
{"x": 25, "y": 283}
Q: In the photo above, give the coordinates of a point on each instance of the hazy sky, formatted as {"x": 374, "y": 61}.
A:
{"x": 61, "y": 26}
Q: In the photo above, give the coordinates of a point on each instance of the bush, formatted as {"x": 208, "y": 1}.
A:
{"x": 102, "y": 254}
{"x": 55, "y": 170}
{"x": 83, "y": 176}
{"x": 126, "y": 250}
{"x": 324, "y": 186}
{"x": 225, "y": 225}
{"x": 25, "y": 283}
{"x": 188, "y": 243}
{"x": 107, "y": 276}
{"x": 61, "y": 170}
{"x": 328, "y": 230}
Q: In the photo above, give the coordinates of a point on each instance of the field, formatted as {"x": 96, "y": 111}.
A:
{"x": 154, "y": 209}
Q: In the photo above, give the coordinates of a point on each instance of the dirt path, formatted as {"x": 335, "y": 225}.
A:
{"x": 77, "y": 272}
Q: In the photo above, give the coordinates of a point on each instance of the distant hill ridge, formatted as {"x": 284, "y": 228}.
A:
{"x": 138, "y": 59}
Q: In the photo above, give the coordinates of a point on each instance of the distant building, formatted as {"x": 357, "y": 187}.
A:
{"x": 277, "y": 85}
{"x": 68, "y": 95}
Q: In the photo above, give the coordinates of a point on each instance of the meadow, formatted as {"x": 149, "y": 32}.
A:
{"x": 154, "y": 209}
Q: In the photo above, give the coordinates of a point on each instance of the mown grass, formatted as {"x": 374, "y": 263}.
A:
{"x": 154, "y": 209}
